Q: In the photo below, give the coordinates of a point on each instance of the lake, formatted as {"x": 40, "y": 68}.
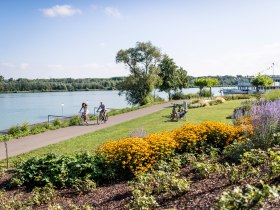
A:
{"x": 17, "y": 108}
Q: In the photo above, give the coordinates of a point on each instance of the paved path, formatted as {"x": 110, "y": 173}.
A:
{"x": 29, "y": 143}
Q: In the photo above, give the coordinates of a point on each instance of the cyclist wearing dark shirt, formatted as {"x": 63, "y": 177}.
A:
{"x": 102, "y": 109}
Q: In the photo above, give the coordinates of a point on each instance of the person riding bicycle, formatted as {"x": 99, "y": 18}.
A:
{"x": 102, "y": 109}
{"x": 84, "y": 110}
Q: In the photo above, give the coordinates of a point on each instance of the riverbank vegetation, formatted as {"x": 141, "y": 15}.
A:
{"x": 203, "y": 165}
{"x": 10, "y": 85}
{"x": 64, "y": 84}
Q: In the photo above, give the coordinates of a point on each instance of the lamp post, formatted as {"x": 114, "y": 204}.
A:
{"x": 62, "y": 105}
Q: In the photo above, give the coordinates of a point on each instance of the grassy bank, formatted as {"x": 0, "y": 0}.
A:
{"x": 153, "y": 123}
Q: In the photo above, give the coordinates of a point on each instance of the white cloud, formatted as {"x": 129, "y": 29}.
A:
{"x": 113, "y": 12}
{"x": 60, "y": 11}
{"x": 24, "y": 66}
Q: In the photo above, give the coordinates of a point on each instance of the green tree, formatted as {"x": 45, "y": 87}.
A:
{"x": 210, "y": 83}
{"x": 201, "y": 83}
{"x": 183, "y": 78}
{"x": 261, "y": 80}
{"x": 172, "y": 77}
{"x": 168, "y": 75}
{"x": 142, "y": 62}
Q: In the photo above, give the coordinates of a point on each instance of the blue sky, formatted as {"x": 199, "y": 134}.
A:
{"x": 80, "y": 38}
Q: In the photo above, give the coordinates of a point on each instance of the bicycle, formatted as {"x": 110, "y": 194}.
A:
{"x": 102, "y": 117}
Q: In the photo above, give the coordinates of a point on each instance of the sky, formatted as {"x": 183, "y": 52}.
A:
{"x": 80, "y": 38}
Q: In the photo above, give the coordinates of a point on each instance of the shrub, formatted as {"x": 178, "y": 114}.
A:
{"x": 166, "y": 180}
{"x": 179, "y": 95}
{"x": 242, "y": 111}
{"x": 57, "y": 122}
{"x": 84, "y": 186}
{"x": 207, "y": 134}
{"x": 42, "y": 195}
{"x": 237, "y": 97}
{"x": 235, "y": 150}
{"x": 205, "y": 93}
{"x": 265, "y": 119}
{"x": 14, "y": 130}
{"x": 76, "y": 120}
{"x": 217, "y": 100}
{"x": 192, "y": 95}
{"x": 248, "y": 198}
{"x": 38, "y": 128}
{"x": 272, "y": 95}
{"x": 25, "y": 128}
{"x": 137, "y": 154}
{"x": 60, "y": 171}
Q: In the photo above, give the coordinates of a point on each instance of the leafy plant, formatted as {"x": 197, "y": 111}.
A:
{"x": 247, "y": 198}
{"x": 76, "y": 120}
{"x": 235, "y": 150}
{"x": 42, "y": 195}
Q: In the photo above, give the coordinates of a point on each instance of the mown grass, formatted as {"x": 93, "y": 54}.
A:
{"x": 152, "y": 123}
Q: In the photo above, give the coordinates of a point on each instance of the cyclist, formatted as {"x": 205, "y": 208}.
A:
{"x": 84, "y": 110}
{"x": 102, "y": 110}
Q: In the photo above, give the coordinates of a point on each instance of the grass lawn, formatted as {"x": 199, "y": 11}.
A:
{"x": 152, "y": 123}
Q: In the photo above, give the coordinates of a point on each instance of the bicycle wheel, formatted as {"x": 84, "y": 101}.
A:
{"x": 97, "y": 120}
{"x": 106, "y": 118}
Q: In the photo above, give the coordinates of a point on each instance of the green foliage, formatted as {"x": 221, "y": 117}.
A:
{"x": 164, "y": 180}
{"x": 38, "y": 128}
{"x": 261, "y": 80}
{"x": 42, "y": 195}
{"x": 272, "y": 95}
{"x": 141, "y": 61}
{"x": 254, "y": 164}
{"x": 205, "y": 82}
{"x": 201, "y": 83}
{"x": 57, "y": 122}
{"x": 247, "y": 198}
{"x": 63, "y": 171}
{"x": 238, "y": 97}
{"x": 172, "y": 77}
{"x": 206, "y": 165}
{"x": 76, "y": 120}
{"x": 234, "y": 151}
{"x": 180, "y": 95}
{"x": 14, "y": 130}
{"x": 192, "y": 95}
{"x": 64, "y": 84}
{"x": 13, "y": 202}
{"x": 84, "y": 186}
{"x": 205, "y": 93}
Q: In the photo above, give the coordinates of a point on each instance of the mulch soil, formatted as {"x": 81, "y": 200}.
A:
{"x": 202, "y": 195}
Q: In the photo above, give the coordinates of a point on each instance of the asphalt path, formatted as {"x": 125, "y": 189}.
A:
{"x": 33, "y": 142}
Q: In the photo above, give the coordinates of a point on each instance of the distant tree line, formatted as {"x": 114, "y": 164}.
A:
{"x": 225, "y": 80}
{"x": 65, "y": 84}
{"x": 70, "y": 84}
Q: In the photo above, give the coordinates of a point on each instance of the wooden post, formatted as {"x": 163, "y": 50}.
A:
{"x": 7, "y": 157}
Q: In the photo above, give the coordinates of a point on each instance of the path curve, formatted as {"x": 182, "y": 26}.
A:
{"x": 29, "y": 143}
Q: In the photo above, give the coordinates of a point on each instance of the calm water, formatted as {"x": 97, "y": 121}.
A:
{"x": 17, "y": 108}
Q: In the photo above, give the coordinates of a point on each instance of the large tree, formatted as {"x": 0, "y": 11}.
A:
{"x": 142, "y": 62}
{"x": 261, "y": 80}
{"x": 167, "y": 74}
{"x": 172, "y": 77}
